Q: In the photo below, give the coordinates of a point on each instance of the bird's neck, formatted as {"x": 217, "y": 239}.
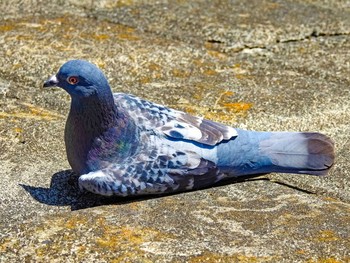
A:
{"x": 97, "y": 114}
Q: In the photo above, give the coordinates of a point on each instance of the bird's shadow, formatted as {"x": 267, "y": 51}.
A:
{"x": 64, "y": 191}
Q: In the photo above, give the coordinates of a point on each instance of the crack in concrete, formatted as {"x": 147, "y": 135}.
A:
{"x": 314, "y": 34}
{"x": 223, "y": 43}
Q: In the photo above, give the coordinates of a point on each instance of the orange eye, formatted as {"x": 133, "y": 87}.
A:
{"x": 72, "y": 80}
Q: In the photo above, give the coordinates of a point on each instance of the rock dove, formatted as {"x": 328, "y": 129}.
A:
{"x": 122, "y": 145}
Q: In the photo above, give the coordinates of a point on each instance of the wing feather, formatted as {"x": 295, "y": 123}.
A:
{"x": 173, "y": 123}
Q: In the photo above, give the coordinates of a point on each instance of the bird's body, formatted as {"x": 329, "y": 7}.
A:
{"x": 123, "y": 145}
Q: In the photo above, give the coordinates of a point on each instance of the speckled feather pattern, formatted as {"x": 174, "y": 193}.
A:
{"x": 122, "y": 145}
{"x": 156, "y": 167}
{"x": 176, "y": 124}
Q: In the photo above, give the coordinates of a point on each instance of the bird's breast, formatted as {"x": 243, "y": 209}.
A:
{"x": 78, "y": 143}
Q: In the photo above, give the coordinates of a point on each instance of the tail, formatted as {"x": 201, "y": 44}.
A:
{"x": 284, "y": 152}
{"x": 305, "y": 153}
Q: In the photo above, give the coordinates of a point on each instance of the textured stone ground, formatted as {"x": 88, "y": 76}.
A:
{"x": 262, "y": 65}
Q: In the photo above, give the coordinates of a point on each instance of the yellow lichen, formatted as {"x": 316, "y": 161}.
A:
{"x": 17, "y": 66}
{"x": 228, "y": 93}
{"x": 18, "y": 130}
{"x": 208, "y": 45}
{"x": 210, "y": 72}
{"x": 179, "y": 73}
{"x": 118, "y": 4}
{"x": 223, "y": 108}
{"x": 128, "y": 36}
{"x": 100, "y": 37}
{"x": 154, "y": 67}
{"x": 217, "y": 54}
{"x": 240, "y": 76}
{"x": 145, "y": 80}
{"x": 198, "y": 62}
{"x": 325, "y": 260}
{"x": 209, "y": 257}
{"x": 237, "y": 106}
{"x": 74, "y": 222}
{"x": 7, "y": 27}
{"x": 327, "y": 236}
{"x": 330, "y": 199}
{"x": 7, "y": 243}
{"x": 32, "y": 112}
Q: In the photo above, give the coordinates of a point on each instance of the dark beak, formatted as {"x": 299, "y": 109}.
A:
{"x": 51, "y": 82}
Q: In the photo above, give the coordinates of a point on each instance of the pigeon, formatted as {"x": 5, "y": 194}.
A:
{"x": 122, "y": 145}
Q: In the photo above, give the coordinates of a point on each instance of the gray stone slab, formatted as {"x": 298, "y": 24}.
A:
{"x": 262, "y": 65}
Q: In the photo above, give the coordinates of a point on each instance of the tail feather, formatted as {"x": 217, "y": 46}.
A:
{"x": 308, "y": 153}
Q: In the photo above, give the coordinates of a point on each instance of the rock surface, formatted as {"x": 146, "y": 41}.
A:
{"x": 262, "y": 65}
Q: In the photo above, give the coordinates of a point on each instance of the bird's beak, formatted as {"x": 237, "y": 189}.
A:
{"x": 51, "y": 82}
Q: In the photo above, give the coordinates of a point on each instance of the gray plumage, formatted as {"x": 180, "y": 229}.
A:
{"x": 123, "y": 145}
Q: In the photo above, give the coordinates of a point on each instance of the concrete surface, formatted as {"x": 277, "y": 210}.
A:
{"x": 262, "y": 65}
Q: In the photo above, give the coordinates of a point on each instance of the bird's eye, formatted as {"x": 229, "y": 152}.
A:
{"x": 72, "y": 80}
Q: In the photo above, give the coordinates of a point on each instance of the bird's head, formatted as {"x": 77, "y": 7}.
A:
{"x": 80, "y": 79}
